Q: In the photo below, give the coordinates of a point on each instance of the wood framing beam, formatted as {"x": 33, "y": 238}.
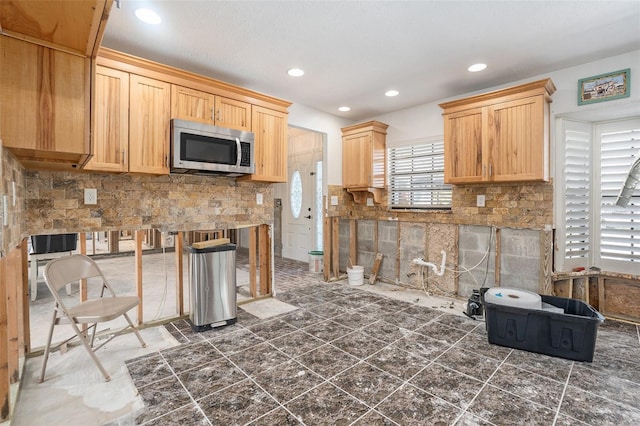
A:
{"x": 253, "y": 250}
{"x": 326, "y": 245}
{"x": 335, "y": 246}
{"x": 265, "y": 259}
{"x": 498, "y": 254}
{"x": 353, "y": 242}
{"x": 139, "y": 236}
{"x": 14, "y": 279}
{"x": 83, "y": 250}
{"x": 4, "y": 343}
{"x": 178, "y": 247}
{"x": 546, "y": 267}
{"x": 25, "y": 335}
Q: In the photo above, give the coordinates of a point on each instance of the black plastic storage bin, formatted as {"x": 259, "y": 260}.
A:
{"x": 570, "y": 335}
{"x": 53, "y": 243}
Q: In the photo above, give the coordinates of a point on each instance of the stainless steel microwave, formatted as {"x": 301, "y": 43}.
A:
{"x": 207, "y": 149}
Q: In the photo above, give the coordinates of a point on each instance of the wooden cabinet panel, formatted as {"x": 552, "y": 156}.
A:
{"x": 149, "y": 120}
{"x": 44, "y": 104}
{"x": 189, "y": 104}
{"x": 232, "y": 113}
{"x": 364, "y": 160}
{"x": 514, "y": 150}
{"x": 500, "y": 136}
{"x": 270, "y": 146}
{"x": 355, "y": 172}
{"x": 195, "y": 105}
{"x": 463, "y": 152}
{"x": 111, "y": 121}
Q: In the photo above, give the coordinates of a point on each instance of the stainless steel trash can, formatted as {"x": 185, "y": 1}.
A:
{"x": 212, "y": 284}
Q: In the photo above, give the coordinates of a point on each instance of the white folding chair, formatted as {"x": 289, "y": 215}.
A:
{"x": 106, "y": 307}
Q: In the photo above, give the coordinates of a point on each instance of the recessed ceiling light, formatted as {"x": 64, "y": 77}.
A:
{"x": 344, "y": 109}
{"x": 477, "y": 67}
{"x": 391, "y": 93}
{"x": 148, "y": 16}
{"x": 295, "y": 72}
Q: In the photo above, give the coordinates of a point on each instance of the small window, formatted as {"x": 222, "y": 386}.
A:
{"x": 416, "y": 175}
{"x": 296, "y": 194}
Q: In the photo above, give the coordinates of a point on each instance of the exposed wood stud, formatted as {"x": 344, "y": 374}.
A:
{"x": 26, "y": 327}
{"x": 253, "y": 249}
{"x": 546, "y": 259}
{"x": 353, "y": 242}
{"x": 326, "y": 245}
{"x": 498, "y": 255}
{"x": 178, "y": 247}
{"x": 139, "y": 236}
{"x": 335, "y": 246}
{"x": 265, "y": 260}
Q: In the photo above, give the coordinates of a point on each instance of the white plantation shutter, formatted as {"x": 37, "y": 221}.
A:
{"x": 619, "y": 242}
{"x": 416, "y": 175}
{"x": 577, "y": 191}
{"x": 593, "y": 161}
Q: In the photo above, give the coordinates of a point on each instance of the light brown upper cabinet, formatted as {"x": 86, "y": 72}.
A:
{"x": 196, "y": 105}
{"x": 501, "y": 136}
{"x": 364, "y": 160}
{"x": 44, "y": 104}
{"x": 149, "y": 125}
{"x": 270, "y": 145}
{"x": 110, "y": 121}
{"x": 156, "y": 94}
{"x": 131, "y": 123}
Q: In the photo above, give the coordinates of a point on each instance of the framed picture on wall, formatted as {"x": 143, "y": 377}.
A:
{"x": 604, "y": 87}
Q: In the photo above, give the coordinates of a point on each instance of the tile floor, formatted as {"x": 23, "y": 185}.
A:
{"x": 351, "y": 356}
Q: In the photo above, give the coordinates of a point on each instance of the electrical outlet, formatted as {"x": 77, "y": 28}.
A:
{"x": 259, "y": 198}
{"x": 334, "y": 200}
{"x": 90, "y": 196}
{"x": 480, "y": 201}
{"x": 370, "y": 202}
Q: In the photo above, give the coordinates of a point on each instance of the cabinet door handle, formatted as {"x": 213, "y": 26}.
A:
{"x": 213, "y": 114}
{"x": 490, "y": 170}
{"x": 220, "y": 116}
{"x": 484, "y": 170}
{"x": 124, "y": 156}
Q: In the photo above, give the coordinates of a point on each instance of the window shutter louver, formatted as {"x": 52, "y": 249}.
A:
{"x": 416, "y": 176}
{"x": 619, "y": 226}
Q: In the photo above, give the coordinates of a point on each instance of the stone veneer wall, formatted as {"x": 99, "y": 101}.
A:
{"x": 55, "y": 202}
{"x": 11, "y": 171}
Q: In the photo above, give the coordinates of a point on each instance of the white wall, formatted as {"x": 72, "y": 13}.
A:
{"x": 426, "y": 120}
{"x": 312, "y": 119}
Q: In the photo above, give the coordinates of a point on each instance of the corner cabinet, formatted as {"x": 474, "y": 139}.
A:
{"x": 364, "y": 160}
{"x": 44, "y": 105}
{"x": 501, "y": 136}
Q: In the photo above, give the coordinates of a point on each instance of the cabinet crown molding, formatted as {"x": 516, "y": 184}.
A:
{"x": 374, "y": 126}
{"x": 544, "y": 86}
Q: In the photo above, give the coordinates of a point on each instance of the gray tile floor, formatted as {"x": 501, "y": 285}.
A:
{"x": 349, "y": 356}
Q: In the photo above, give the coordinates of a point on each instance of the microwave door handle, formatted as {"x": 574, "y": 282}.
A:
{"x": 239, "y": 152}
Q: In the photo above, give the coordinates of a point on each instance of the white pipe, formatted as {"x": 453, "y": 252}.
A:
{"x": 433, "y": 266}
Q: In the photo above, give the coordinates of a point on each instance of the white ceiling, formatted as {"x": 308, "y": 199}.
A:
{"x": 353, "y": 51}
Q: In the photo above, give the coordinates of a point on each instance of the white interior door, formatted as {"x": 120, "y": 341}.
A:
{"x": 300, "y": 202}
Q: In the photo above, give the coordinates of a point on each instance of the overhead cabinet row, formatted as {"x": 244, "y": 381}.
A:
{"x": 133, "y": 114}
{"x": 50, "y": 117}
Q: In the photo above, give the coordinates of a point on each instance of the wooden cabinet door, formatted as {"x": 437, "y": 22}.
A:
{"x": 463, "y": 135}
{"x": 149, "y": 121}
{"x": 232, "y": 113}
{"x": 516, "y": 150}
{"x": 270, "y": 145}
{"x": 356, "y": 160}
{"x": 190, "y": 104}
{"x": 111, "y": 121}
{"x": 44, "y": 102}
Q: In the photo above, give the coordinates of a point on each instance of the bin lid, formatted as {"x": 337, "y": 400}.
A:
{"x": 222, "y": 247}
{"x": 316, "y": 252}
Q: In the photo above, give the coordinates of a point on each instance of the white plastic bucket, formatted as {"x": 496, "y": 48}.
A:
{"x": 356, "y": 275}
{"x": 316, "y": 261}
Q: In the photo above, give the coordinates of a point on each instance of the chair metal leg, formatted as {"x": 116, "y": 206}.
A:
{"x": 86, "y": 345}
{"x": 47, "y": 348}
{"x": 135, "y": 330}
